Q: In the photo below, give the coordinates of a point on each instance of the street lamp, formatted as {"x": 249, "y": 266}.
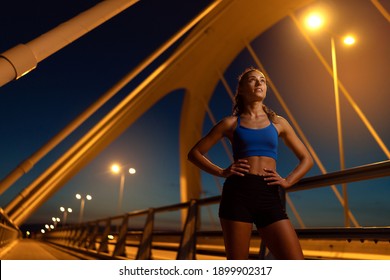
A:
{"x": 55, "y": 220}
{"x": 79, "y": 196}
{"x": 117, "y": 169}
{"x": 65, "y": 211}
{"x": 315, "y": 21}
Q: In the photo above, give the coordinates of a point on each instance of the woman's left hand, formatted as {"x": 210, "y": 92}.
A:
{"x": 273, "y": 178}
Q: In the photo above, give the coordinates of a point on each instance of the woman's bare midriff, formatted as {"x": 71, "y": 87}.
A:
{"x": 258, "y": 163}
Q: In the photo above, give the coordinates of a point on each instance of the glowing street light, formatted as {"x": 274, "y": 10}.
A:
{"x": 117, "y": 169}
{"x": 349, "y": 40}
{"x": 49, "y": 227}
{"x": 315, "y": 21}
{"x": 82, "y": 204}
{"x": 55, "y": 221}
{"x": 65, "y": 211}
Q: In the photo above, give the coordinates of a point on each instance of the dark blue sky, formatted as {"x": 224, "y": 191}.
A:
{"x": 36, "y": 107}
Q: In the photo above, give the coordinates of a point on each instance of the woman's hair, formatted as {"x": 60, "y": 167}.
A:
{"x": 238, "y": 105}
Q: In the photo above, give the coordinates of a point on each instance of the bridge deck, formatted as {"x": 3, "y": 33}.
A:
{"x": 28, "y": 249}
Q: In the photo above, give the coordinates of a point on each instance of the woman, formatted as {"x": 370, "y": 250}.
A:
{"x": 251, "y": 191}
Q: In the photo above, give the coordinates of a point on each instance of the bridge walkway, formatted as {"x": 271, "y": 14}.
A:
{"x": 29, "y": 249}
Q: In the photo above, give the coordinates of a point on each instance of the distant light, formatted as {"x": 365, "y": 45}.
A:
{"x": 63, "y": 209}
{"x": 314, "y": 21}
{"x": 88, "y": 197}
{"x": 78, "y": 196}
{"x": 115, "y": 168}
{"x": 110, "y": 236}
{"x": 51, "y": 226}
{"x": 132, "y": 171}
{"x": 47, "y": 226}
{"x": 349, "y": 40}
{"x": 28, "y": 233}
{"x": 43, "y": 231}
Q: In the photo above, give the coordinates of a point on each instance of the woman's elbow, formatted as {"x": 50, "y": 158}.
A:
{"x": 310, "y": 161}
{"x": 191, "y": 155}
{"x": 306, "y": 160}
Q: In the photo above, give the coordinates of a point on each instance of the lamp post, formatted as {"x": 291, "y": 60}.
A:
{"x": 117, "y": 169}
{"x": 65, "y": 211}
{"x": 315, "y": 21}
{"x": 55, "y": 220}
{"x": 82, "y": 204}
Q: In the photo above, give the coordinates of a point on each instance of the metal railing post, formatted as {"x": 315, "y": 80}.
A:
{"x": 187, "y": 249}
{"x": 120, "y": 247}
{"x": 103, "y": 248}
{"x": 145, "y": 247}
{"x": 92, "y": 241}
{"x": 83, "y": 235}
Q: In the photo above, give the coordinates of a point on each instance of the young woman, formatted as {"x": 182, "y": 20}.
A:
{"x": 251, "y": 190}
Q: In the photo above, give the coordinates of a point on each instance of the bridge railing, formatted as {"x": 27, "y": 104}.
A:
{"x": 113, "y": 238}
{"x": 8, "y": 230}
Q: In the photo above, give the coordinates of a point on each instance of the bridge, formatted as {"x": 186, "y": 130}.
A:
{"x": 140, "y": 234}
{"x": 114, "y": 237}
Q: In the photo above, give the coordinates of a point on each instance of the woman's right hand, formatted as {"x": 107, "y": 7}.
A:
{"x": 239, "y": 167}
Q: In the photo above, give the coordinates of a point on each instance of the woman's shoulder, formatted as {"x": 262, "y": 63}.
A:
{"x": 280, "y": 120}
{"x": 282, "y": 124}
{"x": 227, "y": 123}
{"x": 230, "y": 119}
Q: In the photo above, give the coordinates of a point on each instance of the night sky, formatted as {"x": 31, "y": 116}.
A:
{"x": 36, "y": 107}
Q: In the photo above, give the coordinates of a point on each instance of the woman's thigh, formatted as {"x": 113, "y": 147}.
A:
{"x": 281, "y": 239}
{"x": 237, "y": 236}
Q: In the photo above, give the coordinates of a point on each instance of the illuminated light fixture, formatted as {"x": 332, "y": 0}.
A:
{"x": 349, "y": 40}
{"x": 115, "y": 168}
{"x": 314, "y": 21}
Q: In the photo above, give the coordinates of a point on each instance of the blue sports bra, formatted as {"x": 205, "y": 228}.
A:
{"x": 255, "y": 142}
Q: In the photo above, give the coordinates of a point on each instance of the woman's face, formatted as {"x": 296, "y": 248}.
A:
{"x": 253, "y": 86}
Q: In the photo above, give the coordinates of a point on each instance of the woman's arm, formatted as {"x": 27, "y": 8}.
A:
{"x": 292, "y": 141}
{"x": 197, "y": 153}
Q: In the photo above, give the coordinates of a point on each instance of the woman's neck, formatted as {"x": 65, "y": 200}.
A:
{"x": 254, "y": 111}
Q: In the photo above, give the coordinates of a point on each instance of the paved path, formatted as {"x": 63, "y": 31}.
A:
{"x": 27, "y": 249}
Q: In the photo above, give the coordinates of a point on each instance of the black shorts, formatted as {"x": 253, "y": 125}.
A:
{"x": 249, "y": 199}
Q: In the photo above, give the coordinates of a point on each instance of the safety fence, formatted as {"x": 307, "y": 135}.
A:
{"x": 113, "y": 238}
{"x": 8, "y": 230}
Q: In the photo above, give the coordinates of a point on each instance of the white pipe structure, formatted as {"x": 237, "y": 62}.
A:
{"x": 23, "y": 58}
